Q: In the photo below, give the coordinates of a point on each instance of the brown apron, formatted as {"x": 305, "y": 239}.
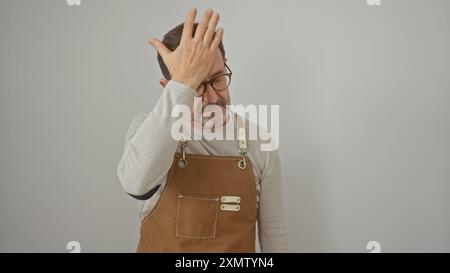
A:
{"x": 208, "y": 205}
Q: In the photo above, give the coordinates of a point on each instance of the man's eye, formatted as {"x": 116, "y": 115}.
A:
{"x": 219, "y": 79}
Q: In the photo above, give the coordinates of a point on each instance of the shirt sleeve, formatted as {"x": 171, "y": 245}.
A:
{"x": 272, "y": 229}
{"x": 149, "y": 146}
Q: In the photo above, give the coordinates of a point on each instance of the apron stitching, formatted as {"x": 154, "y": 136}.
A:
{"x": 215, "y": 221}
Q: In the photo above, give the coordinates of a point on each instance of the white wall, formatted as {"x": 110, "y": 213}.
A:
{"x": 363, "y": 94}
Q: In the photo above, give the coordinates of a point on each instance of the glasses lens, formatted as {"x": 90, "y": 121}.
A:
{"x": 221, "y": 82}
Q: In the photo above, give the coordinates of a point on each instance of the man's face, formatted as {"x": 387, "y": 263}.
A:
{"x": 211, "y": 96}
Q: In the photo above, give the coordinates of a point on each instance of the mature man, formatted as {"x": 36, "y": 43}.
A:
{"x": 200, "y": 195}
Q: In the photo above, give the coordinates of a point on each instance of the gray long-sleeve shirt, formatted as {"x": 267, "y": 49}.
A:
{"x": 148, "y": 154}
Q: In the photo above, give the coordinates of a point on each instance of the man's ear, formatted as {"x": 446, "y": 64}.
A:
{"x": 163, "y": 82}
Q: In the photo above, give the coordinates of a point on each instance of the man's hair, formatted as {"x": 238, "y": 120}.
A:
{"x": 172, "y": 40}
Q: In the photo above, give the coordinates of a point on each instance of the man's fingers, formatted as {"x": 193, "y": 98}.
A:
{"x": 189, "y": 24}
{"x": 201, "y": 28}
{"x": 217, "y": 39}
{"x": 160, "y": 47}
{"x": 211, "y": 29}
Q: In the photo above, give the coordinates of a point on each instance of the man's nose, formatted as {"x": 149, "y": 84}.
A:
{"x": 210, "y": 95}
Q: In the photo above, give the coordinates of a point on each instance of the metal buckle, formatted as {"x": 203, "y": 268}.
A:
{"x": 242, "y": 164}
{"x": 182, "y": 162}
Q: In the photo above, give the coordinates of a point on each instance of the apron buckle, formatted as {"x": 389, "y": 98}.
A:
{"x": 242, "y": 164}
{"x": 182, "y": 162}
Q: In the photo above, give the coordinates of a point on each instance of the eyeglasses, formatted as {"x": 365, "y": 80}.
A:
{"x": 218, "y": 83}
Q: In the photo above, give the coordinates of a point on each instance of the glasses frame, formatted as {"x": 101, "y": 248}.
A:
{"x": 204, "y": 84}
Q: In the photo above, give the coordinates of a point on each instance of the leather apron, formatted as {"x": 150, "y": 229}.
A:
{"x": 208, "y": 204}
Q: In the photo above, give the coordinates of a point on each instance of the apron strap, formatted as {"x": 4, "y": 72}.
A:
{"x": 242, "y": 140}
{"x": 242, "y": 145}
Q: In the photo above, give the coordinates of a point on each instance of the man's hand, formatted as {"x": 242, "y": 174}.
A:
{"x": 191, "y": 61}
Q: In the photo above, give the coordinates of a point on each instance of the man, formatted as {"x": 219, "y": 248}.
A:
{"x": 200, "y": 195}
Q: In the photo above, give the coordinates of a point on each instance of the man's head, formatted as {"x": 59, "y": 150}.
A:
{"x": 210, "y": 96}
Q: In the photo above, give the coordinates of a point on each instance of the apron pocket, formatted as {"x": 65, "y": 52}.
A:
{"x": 196, "y": 216}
